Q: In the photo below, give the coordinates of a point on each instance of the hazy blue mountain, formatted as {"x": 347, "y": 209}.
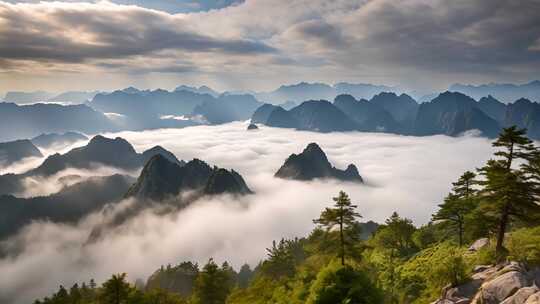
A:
{"x": 312, "y": 163}
{"x": 227, "y": 108}
{"x": 403, "y": 108}
{"x": 453, "y": 113}
{"x": 369, "y": 116}
{"x": 28, "y": 121}
{"x": 262, "y": 113}
{"x": 161, "y": 179}
{"x": 73, "y": 97}
{"x": 69, "y": 205}
{"x": 321, "y": 116}
{"x": 288, "y": 105}
{"x": 524, "y": 114}
{"x": 281, "y": 118}
{"x": 504, "y": 92}
{"x": 199, "y": 90}
{"x": 14, "y": 151}
{"x": 28, "y": 97}
{"x": 55, "y": 139}
{"x": 298, "y": 93}
{"x": 361, "y": 90}
{"x": 146, "y": 109}
{"x": 493, "y": 108}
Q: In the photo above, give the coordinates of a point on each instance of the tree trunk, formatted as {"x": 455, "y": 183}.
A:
{"x": 341, "y": 239}
{"x": 501, "y": 231}
{"x": 460, "y": 227}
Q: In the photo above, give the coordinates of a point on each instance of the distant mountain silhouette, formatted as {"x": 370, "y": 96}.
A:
{"x": 73, "y": 97}
{"x": 28, "y": 121}
{"x": 17, "y": 150}
{"x": 362, "y": 90}
{"x": 524, "y": 114}
{"x": 368, "y": 116}
{"x": 199, "y": 90}
{"x": 312, "y": 163}
{"x": 69, "y": 205}
{"x": 161, "y": 179}
{"x": 262, "y": 113}
{"x": 303, "y": 91}
{"x": 28, "y": 97}
{"x": 100, "y": 151}
{"x": 403, "y": 108}
{"x": 322, "y": 116}
{"x": 227, "y": 108}
{"x": 493, "y": 108}
{"x": 502, "y": 91}
{"x": 452, "y": 114}
{"x": 54, "y": 139}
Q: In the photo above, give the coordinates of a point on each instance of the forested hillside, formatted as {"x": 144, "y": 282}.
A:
{"x": 496, "y": 204}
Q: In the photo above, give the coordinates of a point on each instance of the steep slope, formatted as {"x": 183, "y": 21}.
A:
{"x": 312, "y": 163}
{"x": 262, "y": 113}
{"x": 14, "y": 151}
{"x": 452, "y": 114}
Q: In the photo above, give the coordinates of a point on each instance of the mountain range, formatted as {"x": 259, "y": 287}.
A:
{"x": 100, "y": 151}
{"x": 450, "y": 113}
{"x": 505, "y": 92}
{"x": 70, "y": 97}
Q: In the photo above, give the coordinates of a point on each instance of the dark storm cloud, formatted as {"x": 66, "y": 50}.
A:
{"x": 72, "y": 33}
{"x": 466, "y": 36}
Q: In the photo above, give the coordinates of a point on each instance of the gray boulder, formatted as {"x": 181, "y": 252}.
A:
{"x": 521, "y": 295}
{"x": 503, "y": 286}
{"x": 479, "y": 244}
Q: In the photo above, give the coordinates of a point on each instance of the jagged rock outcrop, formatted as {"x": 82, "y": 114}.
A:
{"x": 252, "y": 127}
{"x": 14, "y": 151}
{"x": 312, "y": 163}
{"x": 162, "y": 179}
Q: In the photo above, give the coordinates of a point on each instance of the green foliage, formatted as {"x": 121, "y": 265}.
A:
{"x": 343, "y": 284}
{"x": 213, "y": 284}
{"x": 422, "y": 277}
{"x": 179, "y": 279}
{"x": 343, "y": 215}
{"x": 116, "y": 290}
{"x": 524, "y": 246}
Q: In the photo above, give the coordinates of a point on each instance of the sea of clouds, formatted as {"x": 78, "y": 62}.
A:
{"x": 410, "y": 175}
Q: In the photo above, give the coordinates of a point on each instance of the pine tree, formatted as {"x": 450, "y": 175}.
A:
{"x": 458, "y": 204}
{"x": 508, "y": 191}
{"x": 342, "y": 215}
{"x": 213, "y": 284}
{"x": 116, "y": 290}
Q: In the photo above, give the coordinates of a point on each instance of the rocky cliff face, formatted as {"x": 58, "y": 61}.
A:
{"x": 312, "y": 163}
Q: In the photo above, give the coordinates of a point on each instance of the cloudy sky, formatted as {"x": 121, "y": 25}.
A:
{"x": 260, "y": 44}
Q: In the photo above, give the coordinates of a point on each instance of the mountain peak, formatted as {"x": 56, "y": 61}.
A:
{"x": 312, "y": 163}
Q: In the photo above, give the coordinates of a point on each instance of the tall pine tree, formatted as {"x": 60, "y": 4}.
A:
{"x": 344, "y": 216}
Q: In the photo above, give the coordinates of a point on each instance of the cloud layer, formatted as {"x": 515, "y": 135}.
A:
{"x": 407, "y": 174}
{"x": 260, "y": 44}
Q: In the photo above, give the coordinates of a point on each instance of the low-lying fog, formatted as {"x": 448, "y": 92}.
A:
{"x": 406, "y": 174}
